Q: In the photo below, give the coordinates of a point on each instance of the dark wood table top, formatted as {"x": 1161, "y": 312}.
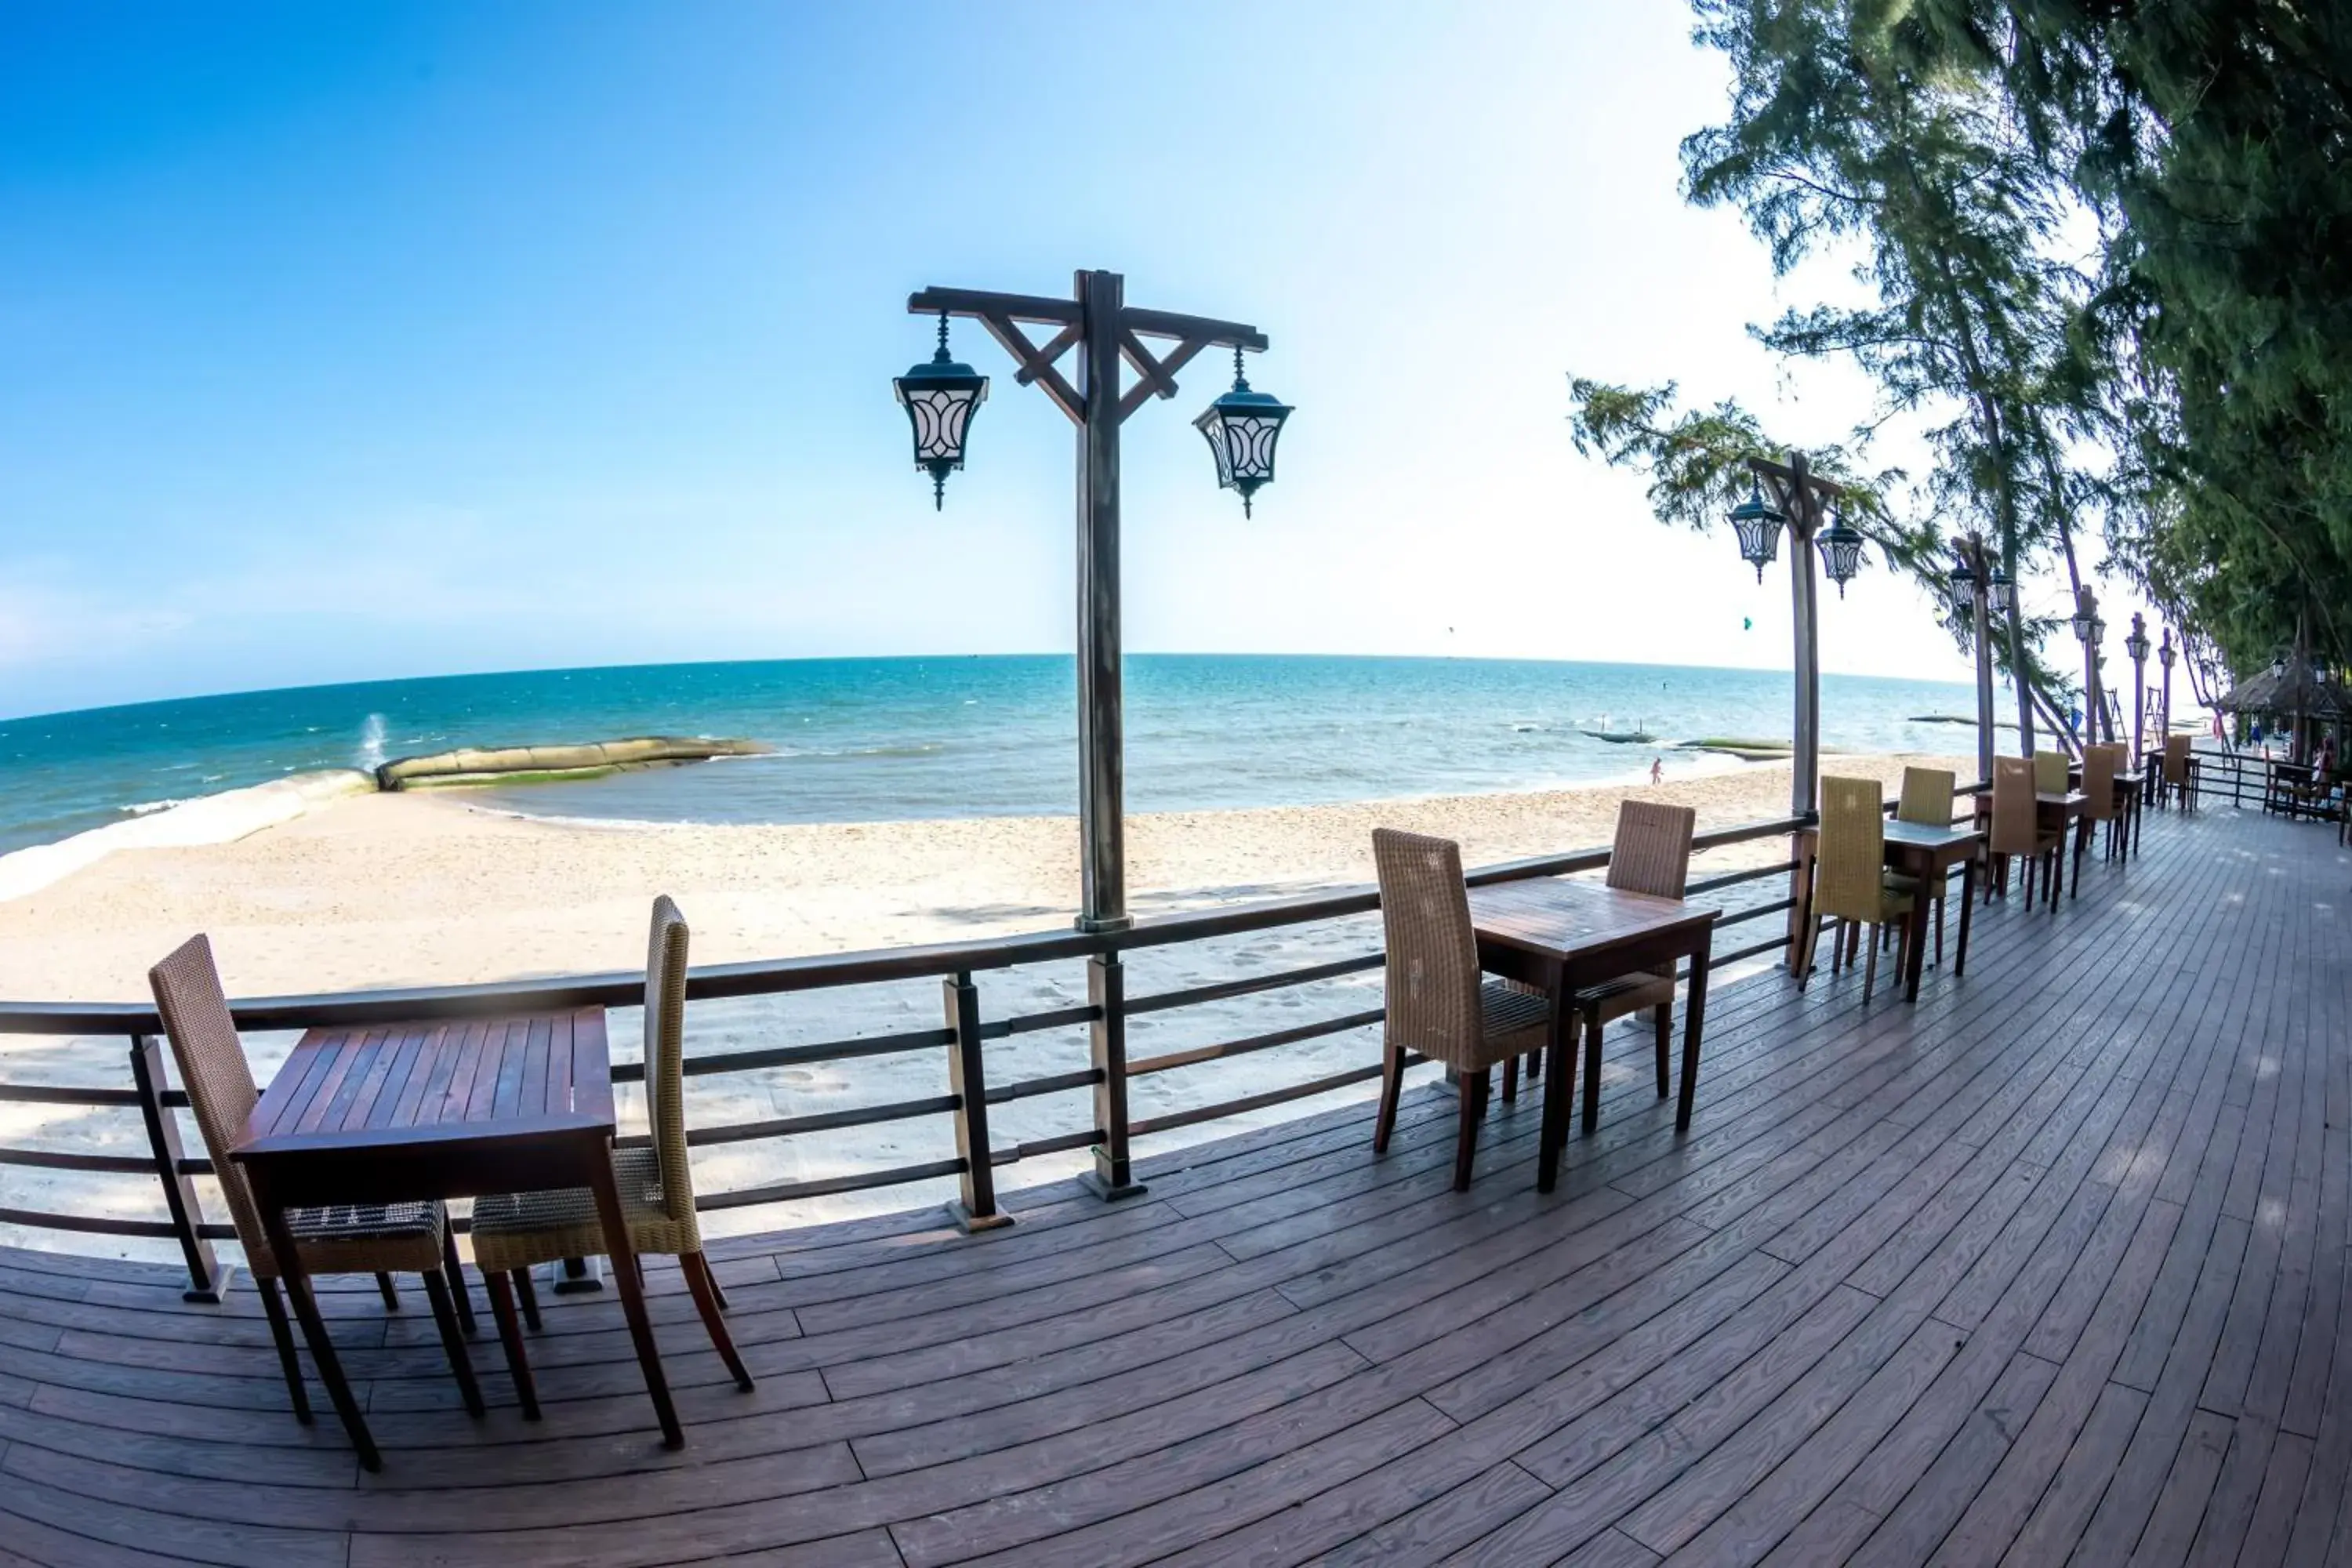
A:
{"x": 2072, "y": 800}
{"x": 1551, "y": 916}
{"x": 1927, "y": 835}
{"x": 405, "y": 1084}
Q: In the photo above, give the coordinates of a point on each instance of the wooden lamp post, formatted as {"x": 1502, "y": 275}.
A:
{"x": 1799, "y": 500}
{"x": 1975, "y": 574}
{"x": 2136, "y": 645}
{"x": 2165, "y": 656}
{"x": 1241, "y": 427}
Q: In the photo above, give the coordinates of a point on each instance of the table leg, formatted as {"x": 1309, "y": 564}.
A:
{"x": 618, "y": 1249}
{"x": 1559, "y": 1079}
{"x": 314, "y": 1328}
{"x": 1693, "y": 1019}
{"x": 1915, "y": 944}
{"x": 2082, "y": 838}
{"x": 1967, "y": 903}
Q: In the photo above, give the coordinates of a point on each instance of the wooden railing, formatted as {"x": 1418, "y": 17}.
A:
{"x": 962, "y": 1034}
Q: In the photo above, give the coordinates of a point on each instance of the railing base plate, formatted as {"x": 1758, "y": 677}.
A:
{"x": 214, "y": 1297}
{"x": 1111, "y": 1191}
{"x": 579, "y": 1275}
{"x": 972, "y": 1224}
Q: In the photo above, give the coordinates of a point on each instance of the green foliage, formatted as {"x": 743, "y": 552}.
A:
{"x": 2216, "y": 138}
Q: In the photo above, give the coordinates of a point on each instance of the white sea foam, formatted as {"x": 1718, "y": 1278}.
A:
{"x": 220, "y": 818}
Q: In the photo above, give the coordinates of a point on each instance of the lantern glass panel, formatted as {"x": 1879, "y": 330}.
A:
{"x": 1759, "y": 528}
{"x": 1840, "y": 549}
{"x": 1241, "y": 429}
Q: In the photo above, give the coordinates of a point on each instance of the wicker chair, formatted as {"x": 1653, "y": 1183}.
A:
{"x": 371, "y": 1238}
{"x": 516, "y": 1232}
{"x": 1652, "y": 855}
{"x": 1437, "y": 1003}
{"x": 2017, "y": 827}
{"x": 2179, "y": 777}
{"x": 1851, "y": 883}
{"x": 1927, "y": 798}
{"x": 2050, "y": 771}
{"x": 2099, "y": 794}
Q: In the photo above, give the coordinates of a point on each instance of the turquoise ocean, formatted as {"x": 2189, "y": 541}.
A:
{"x": 886, "y": 739}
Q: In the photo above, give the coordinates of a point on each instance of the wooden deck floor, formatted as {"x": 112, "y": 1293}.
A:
{"x": 2049, "y": 1267}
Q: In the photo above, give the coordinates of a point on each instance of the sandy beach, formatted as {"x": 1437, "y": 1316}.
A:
{"x": 370, "y": 890}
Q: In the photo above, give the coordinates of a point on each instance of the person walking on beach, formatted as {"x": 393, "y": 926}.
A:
{"x": 1657, "y": 769}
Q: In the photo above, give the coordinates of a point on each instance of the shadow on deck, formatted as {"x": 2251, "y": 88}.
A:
{"x": 2051, "y": 1264}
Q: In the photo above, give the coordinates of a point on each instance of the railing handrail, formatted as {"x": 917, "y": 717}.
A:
{"x": 963, "y": 1032}
{"x": 762, "y": 977}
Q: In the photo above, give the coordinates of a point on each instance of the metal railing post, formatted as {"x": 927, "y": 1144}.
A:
{"x": 968, "y": 1081}
{"x": 206, "y": 1280}
{"x": 1113, "y": 1176}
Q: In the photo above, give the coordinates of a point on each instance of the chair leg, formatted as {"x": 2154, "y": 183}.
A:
{"x": 455, "y": 1274}
{"x": 1472, "y": 1091}
{"x": 1869, "y": 972}
{"x": 502, "y": 1308}
{"x": 1510, "y": 1081}
{"x": 1663, "y": 1017}
{"x": 273, "y": 1307}
{"x": 1940, "y": 933}
{"x": 391, "y": 1293}
{"x": 698, "y": 1280}
{"x": 1391, "y": 1085}
{"x": 1591, "y": 1068}
{"x": 530, "y": 1295}
{"x": 445, "y": 1318}
{"x": 1535, "y": 1066}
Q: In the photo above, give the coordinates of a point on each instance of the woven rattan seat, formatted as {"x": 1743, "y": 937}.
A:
{"x": 2017, "y": 829}
{"x": 1651, "y": 853}
{"x": 519, "y": 1230}
{"x": 362, "y": 1239}
{"x": 1507, "y": 1010}
{"x": 1851, "y": 883}
{"x": 516, "y": 1232}
{"x": 1438, "y": 1003}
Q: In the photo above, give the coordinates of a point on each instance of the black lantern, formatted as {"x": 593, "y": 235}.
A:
{"x": 1759, "y": 528}
{"x": 2086, "y": 617}
{"x": 1964, "y": 586}
{"x": 1241, "y": 429}
{"x": 2164, "y": 650}
{"x": 1997, "y": 580}
{"x": 2136, "y": 645}
{"x": 940, "y": 396}
{"x": 1840, "y": 549}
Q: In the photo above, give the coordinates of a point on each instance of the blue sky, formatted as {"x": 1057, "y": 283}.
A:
{"x": 345, "y": 342}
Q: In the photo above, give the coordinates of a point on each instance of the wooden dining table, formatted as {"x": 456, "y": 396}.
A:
{"x": 384, "y": 1113}
{"x": 1564, "y": 936}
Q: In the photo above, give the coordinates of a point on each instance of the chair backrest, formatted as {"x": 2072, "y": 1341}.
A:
{"x": 2099, "y": 782}
{"x": 1652, "y": 851}
{"x": 665, "y": 1018}
{"x": 1433, "y": 949}
{"x": 1927, "y": 797}
{"x": 2014, "y": 818}
{"x": 2176, "y": 759}
{"x": 1851, "y": 870}
{"x": 2050, "y": 772}
{"x": 219, "y": 1081}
